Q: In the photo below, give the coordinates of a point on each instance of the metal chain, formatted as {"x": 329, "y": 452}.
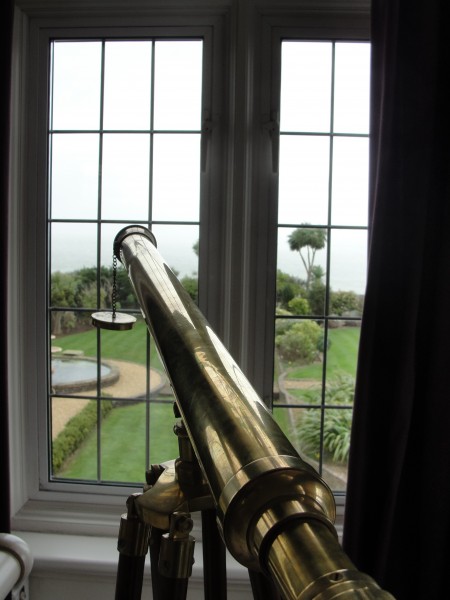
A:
{"x": 114, "y": 287}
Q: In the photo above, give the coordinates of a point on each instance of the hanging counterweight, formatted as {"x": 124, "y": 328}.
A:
{"x": 113, "y": 320}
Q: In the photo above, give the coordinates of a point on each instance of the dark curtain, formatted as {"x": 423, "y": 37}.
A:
{"x": 397, "y": 525}
{"x": 6, "y": 13}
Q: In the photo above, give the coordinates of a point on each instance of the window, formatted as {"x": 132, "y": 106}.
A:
{"x": 124, "y": 147}
{"x": 322, "y": 241}
{"x": 117, "y": 156}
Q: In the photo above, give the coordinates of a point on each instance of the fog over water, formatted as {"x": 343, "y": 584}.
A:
{"x": 347, "y": 269}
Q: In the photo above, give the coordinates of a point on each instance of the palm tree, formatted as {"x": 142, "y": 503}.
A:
{"x": 306, "y": 241}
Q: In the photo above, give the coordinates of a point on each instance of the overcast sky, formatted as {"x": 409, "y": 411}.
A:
{"x": 304, "y": 160}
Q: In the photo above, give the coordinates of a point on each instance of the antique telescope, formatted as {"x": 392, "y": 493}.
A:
{"x": 274, "y": 512}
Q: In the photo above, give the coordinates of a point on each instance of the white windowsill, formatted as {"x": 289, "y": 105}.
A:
{"x": 92, "y": 561}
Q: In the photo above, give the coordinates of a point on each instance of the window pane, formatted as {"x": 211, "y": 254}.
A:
{"x": 127, "y": 85}
{"x": 125, "y": 176}
{"x": 336, "y": 439}
{"x": 125, "y": 409}
{"x": 303, "y": 182}
{"x": 163, "y": 441}
{"x": 125, "y": 296}
{"x": 177, "y": 245}
{"x": 350, "y": 181}
{"x": 178, "y": 85}
{"x": 73, "y": 337}
{"x": 74, "y": 176}
{"x": 352, "y": 86}
{"x": 123, "y": 378}
{"x": 348, "y": 266}
{"x": 126, "y": 351}
{"x": 108, "y": 233}
{"x": 302, "y": 256}
{"x": 123, "y": 442}
{"x": 73, "y": 246}
{"x": 321, "y": 270}
{"x": 299, "y": 348}
{"x": 306, "y": 86}
{"x": 342, "y": 356}
{"x": 74, "y": 438}
{"x": 76, "y": 85}
{"x": 176, "y": 177}
{"x": 73, "y": 373}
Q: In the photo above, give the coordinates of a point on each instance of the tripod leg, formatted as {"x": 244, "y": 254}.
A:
{"x": 171, "y": 556}
{"x": 163, "y": 588}
{"x": 214, "y": 559}
{"x": 130, "y": 573}
{"x": 132, "y": 545}
{"x": 155, "y": 546}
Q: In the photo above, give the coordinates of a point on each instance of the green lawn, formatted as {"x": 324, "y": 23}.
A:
{"x": 123, "y": 444}
{"x": 122, "y": 345}
{"x": 123, "y": 436}
{"x": 341, "y": 356}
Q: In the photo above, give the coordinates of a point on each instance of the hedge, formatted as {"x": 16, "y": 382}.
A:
{"x": 76, "y": 431}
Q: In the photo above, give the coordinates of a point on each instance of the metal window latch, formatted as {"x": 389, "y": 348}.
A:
{"x": 273, "y": 128}
{"x": 207, "y": 127}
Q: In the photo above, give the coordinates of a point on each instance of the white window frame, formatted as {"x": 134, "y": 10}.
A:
{"x": 355, "y": 31}
{"x": 34, "y": 498}
{"x": 339, "y": 21}
{"x": 239, "y": 237}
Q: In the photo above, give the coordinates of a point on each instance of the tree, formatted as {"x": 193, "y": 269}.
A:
{"x": 62, "y": 295}
{"x": 316, "y": 297}
{"x": 306, "y": 241}
{"x": 288, "y": 287}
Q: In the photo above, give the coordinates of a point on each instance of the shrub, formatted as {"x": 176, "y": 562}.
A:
{"x": 340, "y": 390}
{"x": 299, "y": 306}
{"x": 342, "y": 302}
{"x": 76, "y": 431}
{"x": 336, "y": 432}
{"x": 283, "y": 325}
{"x": 337, "y": 422}
{"x": 299, "y": 342}
{"x": 288, "y": 287}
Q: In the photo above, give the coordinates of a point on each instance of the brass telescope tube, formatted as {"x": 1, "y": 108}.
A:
{"x": 275, "y": 512}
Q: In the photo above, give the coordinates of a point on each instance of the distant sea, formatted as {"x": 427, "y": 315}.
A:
{"x": 347, "y": 271}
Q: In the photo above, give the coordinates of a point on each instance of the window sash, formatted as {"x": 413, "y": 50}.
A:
{"x": 318, "y": 143}
{"x": 141, "y": 148}
{"x": 33, "y": 352}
